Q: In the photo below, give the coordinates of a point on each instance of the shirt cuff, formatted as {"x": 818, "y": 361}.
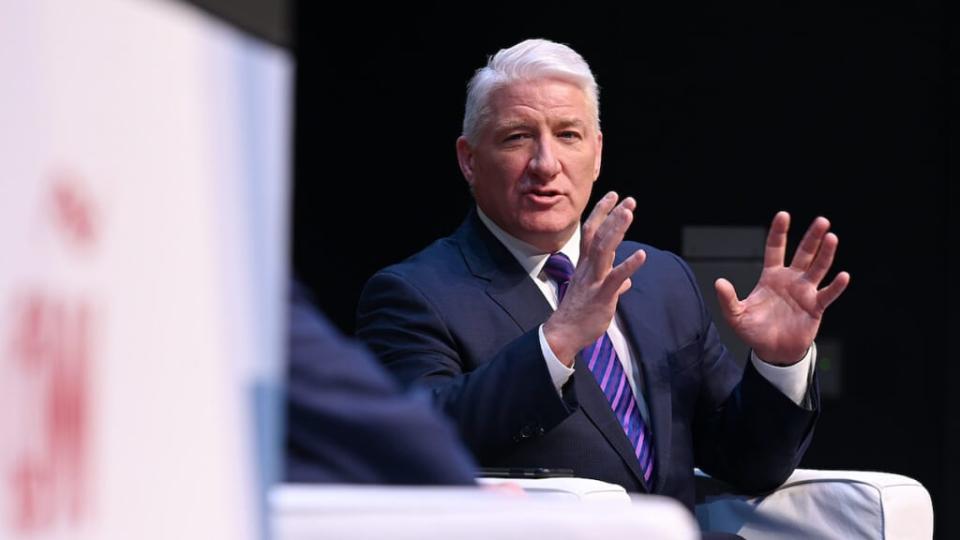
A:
{"x": 793, "y": 380}
{"x": 559, "y": 373}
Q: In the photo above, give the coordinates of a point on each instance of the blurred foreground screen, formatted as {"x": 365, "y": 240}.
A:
{"x": 143, "y": 220}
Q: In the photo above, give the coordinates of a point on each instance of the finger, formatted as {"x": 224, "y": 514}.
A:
{"x": 776, "y": 240}
{"x": 828, "y": 294}
{"x": 608, "y": 237}
{"x": 611, "y": 230}
{"x": 621, "y": 273}
{"x": 824, "y": 259}
{"x": 599, "y": 213}
{"x": 727, "y": 297}
{"x": 810, "y": 244}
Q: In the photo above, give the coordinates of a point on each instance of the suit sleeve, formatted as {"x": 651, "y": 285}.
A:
{"x": 746, "y": 431}
{"x": 348, "y": 422}
{"x": 495, "y": 405}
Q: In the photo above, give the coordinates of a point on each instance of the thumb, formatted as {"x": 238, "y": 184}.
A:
{"x": 727, "y": 297}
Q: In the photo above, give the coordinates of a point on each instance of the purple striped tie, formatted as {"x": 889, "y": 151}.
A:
{"x": 606, "y": 367}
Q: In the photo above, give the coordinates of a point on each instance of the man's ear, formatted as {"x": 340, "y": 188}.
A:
{"x": 465, "y": 159}
{"x": 599, "y": 158}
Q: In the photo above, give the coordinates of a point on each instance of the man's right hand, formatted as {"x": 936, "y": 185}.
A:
{"x": 591, "y": 298}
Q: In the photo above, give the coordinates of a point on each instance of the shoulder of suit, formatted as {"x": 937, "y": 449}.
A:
{"x": 440, "y": 258}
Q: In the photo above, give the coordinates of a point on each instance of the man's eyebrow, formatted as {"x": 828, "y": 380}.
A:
{"x": 570, "y": 122}
{"x": 509, "y": 125}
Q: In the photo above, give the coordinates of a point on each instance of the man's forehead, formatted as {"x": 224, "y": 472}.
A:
{"x": 525, "y": 98}
{"x": 546, "y": 90}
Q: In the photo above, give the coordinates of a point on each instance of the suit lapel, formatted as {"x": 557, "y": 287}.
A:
{"x": 648, "y": 349}
{"x": 655, "y": 370}
{"x": 596, "y": 408}
{"x": 509, "y": 285}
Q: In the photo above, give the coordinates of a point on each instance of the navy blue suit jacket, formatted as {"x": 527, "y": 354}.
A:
{"x": 347, "y": 420}
{"x": 462, "y": 318}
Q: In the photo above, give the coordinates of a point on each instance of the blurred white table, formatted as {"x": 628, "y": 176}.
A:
{"x": 301, "y": 512}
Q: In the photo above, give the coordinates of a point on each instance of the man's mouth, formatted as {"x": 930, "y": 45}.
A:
{"x": 543, "y": 196}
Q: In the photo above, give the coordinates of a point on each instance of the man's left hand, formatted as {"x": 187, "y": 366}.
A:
{"x": 780, "y": 318}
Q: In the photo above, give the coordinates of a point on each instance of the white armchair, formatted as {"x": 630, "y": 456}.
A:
{"x": 810, "y": 504}
{"x": 821, "y": 504}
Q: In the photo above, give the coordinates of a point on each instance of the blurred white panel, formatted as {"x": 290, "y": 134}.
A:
{"x": 143, "y": 186}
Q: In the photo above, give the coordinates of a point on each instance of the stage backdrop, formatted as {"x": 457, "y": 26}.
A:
{"x": 143, "y": 191}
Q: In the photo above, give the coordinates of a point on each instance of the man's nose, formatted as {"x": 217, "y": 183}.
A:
{"x": 544, "y": 163}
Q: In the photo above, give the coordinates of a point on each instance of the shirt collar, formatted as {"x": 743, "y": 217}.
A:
{"x": 531, "y": 258}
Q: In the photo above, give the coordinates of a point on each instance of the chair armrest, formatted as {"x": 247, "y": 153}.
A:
{"x": 571, "y": 489}
{"x": 301, "y": 512}
{"x": 821, "y": 504}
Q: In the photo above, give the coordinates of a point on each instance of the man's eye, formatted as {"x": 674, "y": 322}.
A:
{"x": 569, "y": 134}
{"x": 515, "y": 137}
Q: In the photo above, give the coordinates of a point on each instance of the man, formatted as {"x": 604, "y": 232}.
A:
{"x": 552, "y": 344}
{"x": 347, "y": 422}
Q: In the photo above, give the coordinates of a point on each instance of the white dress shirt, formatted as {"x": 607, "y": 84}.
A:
{"x": 792, "y": 380}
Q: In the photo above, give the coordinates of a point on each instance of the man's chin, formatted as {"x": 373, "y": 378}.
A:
{"x": 548, "y": 234}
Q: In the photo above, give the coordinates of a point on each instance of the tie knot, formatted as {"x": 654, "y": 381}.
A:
{"x": 559, "y": 267}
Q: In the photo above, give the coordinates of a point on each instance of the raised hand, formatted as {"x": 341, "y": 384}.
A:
{"x": 780, "y": 318}
{"x": 591, "y": 298}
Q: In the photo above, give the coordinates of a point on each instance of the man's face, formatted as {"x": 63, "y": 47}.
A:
{"x": 535, "y": 159}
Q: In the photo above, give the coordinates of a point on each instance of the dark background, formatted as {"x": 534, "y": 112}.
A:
{"x": 718, "y": 116}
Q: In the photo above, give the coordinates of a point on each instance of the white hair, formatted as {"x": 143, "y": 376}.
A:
{"x": 528, "y": 60}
